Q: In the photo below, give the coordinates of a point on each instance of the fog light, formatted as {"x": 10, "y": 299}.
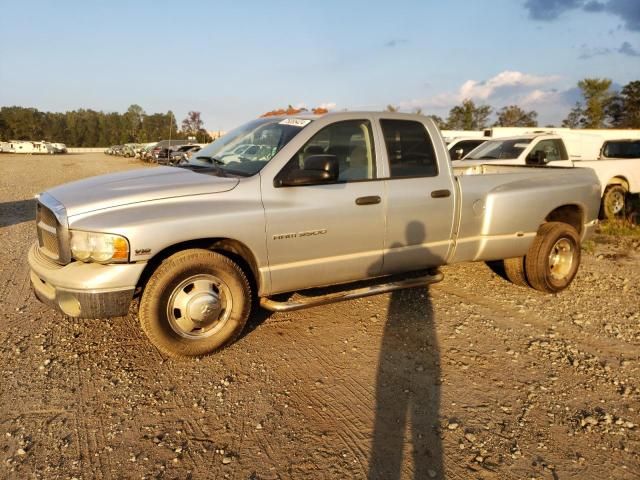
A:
{"x": 69, "y": 304}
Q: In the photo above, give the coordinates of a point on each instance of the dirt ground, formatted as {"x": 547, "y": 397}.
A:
{"x": 471, "y": 378}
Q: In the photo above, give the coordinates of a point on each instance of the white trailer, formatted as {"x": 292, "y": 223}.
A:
{"x": 30, "y": 147}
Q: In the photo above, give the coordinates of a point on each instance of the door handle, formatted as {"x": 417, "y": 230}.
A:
{"x": 440, "y": 194}
{"x": 371, "y": 200}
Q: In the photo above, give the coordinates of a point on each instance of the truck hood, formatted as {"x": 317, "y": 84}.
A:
{"x": 143, "y": 185}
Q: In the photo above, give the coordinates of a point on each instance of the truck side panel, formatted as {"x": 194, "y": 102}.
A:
{"x": 606, "y": 170}
{"x": 499, "y": 214}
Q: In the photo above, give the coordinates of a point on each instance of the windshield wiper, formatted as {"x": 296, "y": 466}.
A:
{"x": 211, "y": 159}
{"x": 219, "y": 171}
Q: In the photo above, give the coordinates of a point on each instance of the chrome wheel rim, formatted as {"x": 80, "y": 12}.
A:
{"x": 199, "y": 306}
{"x": 616, "y": 201}
{"x": 561, "y": 259}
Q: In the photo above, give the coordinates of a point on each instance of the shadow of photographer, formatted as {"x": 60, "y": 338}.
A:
{"x": 408, "y": 386}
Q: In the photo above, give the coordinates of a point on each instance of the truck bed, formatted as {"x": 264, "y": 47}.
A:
{"x": 502, "y": 206}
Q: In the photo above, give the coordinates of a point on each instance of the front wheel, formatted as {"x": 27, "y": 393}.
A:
{"x": 195, "y": 303}
{"x": 553, "y": 258}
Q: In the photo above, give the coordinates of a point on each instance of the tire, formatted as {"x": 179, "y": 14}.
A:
{"x": 554, "y": 257}
{"x": 614, "y": 202}
{"x": 195, "y": 303}
{"x": 514, "y": 269}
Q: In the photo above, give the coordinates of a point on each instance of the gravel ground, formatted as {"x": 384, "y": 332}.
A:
{"x": 471, "y": 378}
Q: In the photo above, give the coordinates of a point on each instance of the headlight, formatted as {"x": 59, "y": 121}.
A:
{"x": 99, "y": 247}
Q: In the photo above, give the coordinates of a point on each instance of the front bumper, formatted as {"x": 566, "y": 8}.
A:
{"x": 84, "y": 290}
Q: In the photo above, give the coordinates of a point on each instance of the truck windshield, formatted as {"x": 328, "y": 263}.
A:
{"x": 246, "y": 149}
{"x": 499, "y": 149}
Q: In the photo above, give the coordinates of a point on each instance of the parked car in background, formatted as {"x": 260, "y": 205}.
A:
{"x": 142, "y": 148}
{"x": 113, "y": 150}
{"x": 162, "y": 144}
{"x": 146, "y": 152}
{"x": 459, "y": 147}
{"x": 59, "y": 148}
{"x": 129, "y": 150}
{"x": 618, "y": 178}
{"x": 182, "y": 153}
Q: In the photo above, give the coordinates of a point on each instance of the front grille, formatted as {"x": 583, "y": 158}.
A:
{"x": 53, "y": 233}
{"x": 47, "y": 226}
{"x": 47, "y": 216}
{"x": 49, "y": 242}
{"x": 52, "y": 229}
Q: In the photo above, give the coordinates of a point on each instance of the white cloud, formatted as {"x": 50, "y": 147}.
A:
{"x": 505, "y": 88}
{"x": 538, "y": 97}
{"x": 507, "y": 79}
{"x": 544, "y": 93}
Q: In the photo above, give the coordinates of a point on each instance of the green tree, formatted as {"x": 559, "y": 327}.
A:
{"x": 576, "y": 118}
{"x": 192, "y": 124}
{"x": 624, "y": 110}
{"x": 514, "y": 116}
{"x": 592, "y": 113}
{"x": 468, "y": 116}
{"x": 134, "y": 118}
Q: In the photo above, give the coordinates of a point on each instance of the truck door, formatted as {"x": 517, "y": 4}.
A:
{"x": 329, "y": 233}
{"x": 420, "y": 199}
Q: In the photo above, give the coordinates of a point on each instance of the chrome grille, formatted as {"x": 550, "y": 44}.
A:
{"x": 53, "y": 233}
{"x": 47, "y": 216}
{"x": 47, "y": 225}
{"x": 50, "y": 243}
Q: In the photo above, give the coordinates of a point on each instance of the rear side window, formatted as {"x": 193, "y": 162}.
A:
{"x": 624, "y": 149}
{"x": 409, "y": 149}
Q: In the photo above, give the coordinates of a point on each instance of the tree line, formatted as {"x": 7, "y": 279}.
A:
{"x": 600, "y": 107}
{"x": 90, "y": 128}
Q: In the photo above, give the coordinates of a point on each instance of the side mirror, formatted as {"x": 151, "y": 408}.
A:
{"x": 537, "y": 158}
{"x": 318, "y": 169}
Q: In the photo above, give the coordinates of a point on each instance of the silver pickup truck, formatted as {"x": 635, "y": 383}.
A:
{"x": 327, "y": 200}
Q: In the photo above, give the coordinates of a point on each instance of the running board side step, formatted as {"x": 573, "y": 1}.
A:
{"x": 289, "y": 306}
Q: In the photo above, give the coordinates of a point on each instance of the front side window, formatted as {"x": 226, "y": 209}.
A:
{"x": 554, "y": 150}
{"x": 245, "y": 150}
{"x": 409, "y": 149}
{"x": 350, "y": 141}
{"x": 462, "y": 148}
{"x": 499, "y": 149}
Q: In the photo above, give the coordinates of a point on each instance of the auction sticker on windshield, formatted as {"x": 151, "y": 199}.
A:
{"x": 295, "y": 122}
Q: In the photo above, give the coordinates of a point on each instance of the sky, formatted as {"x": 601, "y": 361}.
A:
{"x": 234, "y": 60}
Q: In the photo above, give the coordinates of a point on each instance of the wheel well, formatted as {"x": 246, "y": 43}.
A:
{"x": 619, "y": 181}
{"x": 235, "y": 250}
{"x": 570, "y": 214}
